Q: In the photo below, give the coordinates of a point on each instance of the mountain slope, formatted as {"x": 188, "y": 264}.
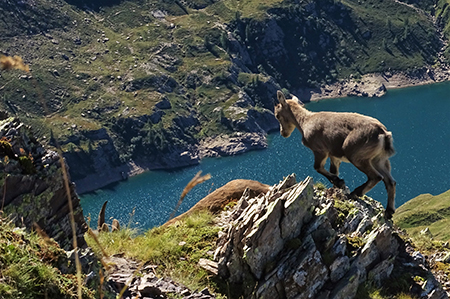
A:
{"x": 426, "y": 211}
{"x": 140, "y": 83}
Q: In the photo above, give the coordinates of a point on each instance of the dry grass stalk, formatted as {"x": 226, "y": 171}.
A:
{"x": 72, "y": 221}
{"x": 130, "y": 279}
{"x": 100, "y": 287}
{"x": 94, "y": 236}
{"x": 16, "y": 62}
{"x": 42, "y": 233}
{"x": 198, "y": 179}
{"x": 4, "y": 193}
{"x": 101, "y": 217}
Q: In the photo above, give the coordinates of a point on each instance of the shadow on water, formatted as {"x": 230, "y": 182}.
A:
{"x": 417, "y": 117}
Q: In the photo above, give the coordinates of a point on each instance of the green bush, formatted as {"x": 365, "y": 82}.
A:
{"x": 27, "y": 165}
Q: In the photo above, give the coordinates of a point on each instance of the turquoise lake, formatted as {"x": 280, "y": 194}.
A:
{"x": 419, "y": 118}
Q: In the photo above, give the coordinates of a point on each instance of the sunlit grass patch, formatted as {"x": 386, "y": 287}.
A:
{"x": 176, "y": 249}
{"x": 28, "y": 267}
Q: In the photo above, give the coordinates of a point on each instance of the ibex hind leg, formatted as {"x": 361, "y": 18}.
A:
{"x": 373, "y": 177}
{"x": 384, "y": 167}
{"x": 319, "y": 163}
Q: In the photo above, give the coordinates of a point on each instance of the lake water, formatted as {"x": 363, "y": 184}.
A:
{"x": 419, "y": 118}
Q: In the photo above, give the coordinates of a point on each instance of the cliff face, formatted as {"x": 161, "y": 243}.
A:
{"x": 32, "y": 184}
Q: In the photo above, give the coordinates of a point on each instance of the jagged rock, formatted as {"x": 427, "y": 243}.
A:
{"x": 347, "y": 286}
{"x": 338, "y": 268}
{"x": 260, "y": 121}
{"x": 381, "y": 272}
{"x": 208, "y": 265}
{"x": 156, "y": 116}
{"x": 186, "y": 121}
{"x": 292, "y": 243}
{"x": 229, "y": 146}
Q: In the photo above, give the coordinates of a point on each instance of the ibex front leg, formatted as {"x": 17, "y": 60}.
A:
{"x": 319, "y": 163}
{"x": 334, "y": 165}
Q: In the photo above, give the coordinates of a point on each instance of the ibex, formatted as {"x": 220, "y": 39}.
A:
{"x": 350, "y": 137}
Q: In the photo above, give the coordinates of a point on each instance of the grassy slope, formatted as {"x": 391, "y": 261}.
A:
{"x": 176, "y": 249}
{"x": 28, "y": 267}
{"x": 83, "y": 61}
{"x": 425, "y": 211}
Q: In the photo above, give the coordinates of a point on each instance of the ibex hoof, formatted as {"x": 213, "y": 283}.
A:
{"x": 388, "y": 213}
{"x": 354, "y": 196}
{"x": 340, "y": 183}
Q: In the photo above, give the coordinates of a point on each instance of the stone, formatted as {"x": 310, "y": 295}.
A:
{"x": 339, "y": 267}
{"x": 310, "y": 274}
{"x": 296, "y": 209}
{"x": 149, "y": 290}
{"x": 163, "y": 104}
{"x": 44, "y": 188}
{"x": 264, "y": 241}
{"x": 381, "y": 272}
{"x": 339, "y": 246}
{"x": 347, "y": 286}
{"x": 209, "y": 266}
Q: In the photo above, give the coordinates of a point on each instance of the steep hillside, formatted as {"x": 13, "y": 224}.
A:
{"x": 130, "y": 85}
{"x": 426, "y": 212}
{"x": 32, "y": 180}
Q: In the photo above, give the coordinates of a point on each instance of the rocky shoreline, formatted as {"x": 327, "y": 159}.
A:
{"x": 223, "y": 145}
{"x": 369, "y": 85}
{"x": 376, "y": 84}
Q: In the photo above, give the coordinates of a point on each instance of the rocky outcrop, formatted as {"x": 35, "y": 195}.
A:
{"x": 33, "y": 185}
{"x": 297, "y": 242}
{"x": 228, "y": 146}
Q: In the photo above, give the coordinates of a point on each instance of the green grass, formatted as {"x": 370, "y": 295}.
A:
{"x": 368, "y": 291}
{"x": 28, "y": 267}
{"x": 176, "y": 249}
{"x": 425, "y": 211}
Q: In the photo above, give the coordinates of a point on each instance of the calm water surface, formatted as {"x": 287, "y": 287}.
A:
{"x": 419, "y": 118}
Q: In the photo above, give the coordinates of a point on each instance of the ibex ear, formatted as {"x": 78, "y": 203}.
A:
{"x": 281, "y": 98}
{"x": 296, "y": 99}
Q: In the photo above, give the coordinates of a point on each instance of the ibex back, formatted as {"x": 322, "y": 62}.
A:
{"x": 350, "y": 137}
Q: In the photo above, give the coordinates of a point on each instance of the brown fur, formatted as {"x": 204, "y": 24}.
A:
{"x": 218, "y": 199}
{"x": 115, "y": 226}
{"x": 350, "y": 137}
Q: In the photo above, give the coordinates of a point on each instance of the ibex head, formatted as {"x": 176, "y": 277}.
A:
{"x": 284, "y": 115}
